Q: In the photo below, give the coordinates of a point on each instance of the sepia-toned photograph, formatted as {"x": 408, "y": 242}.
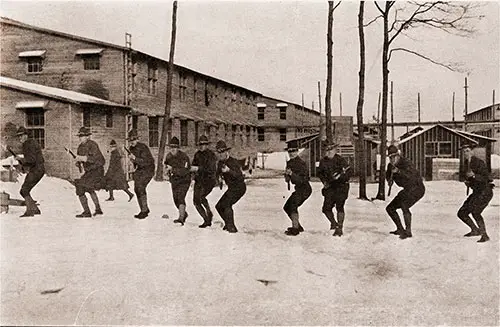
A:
{"x": 256, "y": 163}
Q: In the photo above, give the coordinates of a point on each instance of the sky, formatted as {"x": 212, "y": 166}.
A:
{"x": 278, "y": 48}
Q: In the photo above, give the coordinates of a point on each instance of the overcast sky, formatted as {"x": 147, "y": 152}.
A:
{"x": 279, "y": 49}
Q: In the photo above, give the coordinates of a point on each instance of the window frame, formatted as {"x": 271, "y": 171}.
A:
{"x": 261, "y": 113}
{"x": 283, "y": 132}
{"x": 109, "y": 118}
{"x": 184, "y": 133}
{"x": 36, "y": 125}
{"x": 261, "y": 134}
{"x": 90, "y": 60}
{"x": 30, "y": 62}
{"x": 282, "y": 113}
{"x": 86, "y": 117}
{"x": 152, "y": 78}
{"x": 154, "y": 133}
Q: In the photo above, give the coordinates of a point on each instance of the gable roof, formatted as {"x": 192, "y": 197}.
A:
{"x": 434, "y": 126}
{"x": 477, "y": 136}
{"x": 56, "y": 93}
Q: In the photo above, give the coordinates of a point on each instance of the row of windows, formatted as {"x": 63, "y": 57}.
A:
{"x": 90, "y": 62}
{"x": 261, "y": 113}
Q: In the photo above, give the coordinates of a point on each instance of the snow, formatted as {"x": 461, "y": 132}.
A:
{"x": 495, "y": 161}
{"x": 118, "y": 270}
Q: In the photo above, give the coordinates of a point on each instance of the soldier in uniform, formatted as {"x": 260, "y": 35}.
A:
{"x": 478, "y": 179}
{"x": 144, "y": 164}
{"x": 115, "y": 176}
{"x": 401, "y": 171}
{"x": 33, "y": 163}
{"x": 230, "y": 170}
{"x": 334, "y": 173}
{"x": 296, "y": 172}
{"x": 90, "y": 157}
{"x": 204, "y": 167}
{"x": 178, "y": 170}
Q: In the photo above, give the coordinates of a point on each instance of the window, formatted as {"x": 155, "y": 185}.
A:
{"x": 260, "y": 113}
{"x": 91, "y": 62}
{"x": 445, "y": 148}
{"x": 86, "y": 117}
{"x": 194, "y": 90}
{"x": 207, "y": 97}
{"x": 152, "y": 78}
{"x": 154, "y": 134}
{"x": 248, "y": 135}
{"x": 182, "y": 87}
{"x": 134, "y": 76}
{"x": 184, "y": 133}
{"x": 260, "y": 135}
{"x": 207, "y": 130}
{"x": 196, "y": 132}
{"x": 283, "y": 113}
{"x": 135, "y": 122}
{"x": 282, "y": 134}
{"x": 109, "y": 118}
{"x": 431, "y": 149}
{"x": 35, "y": 125}
{"x": 169, "y": 130}
{"x": 35, "y": 65}
{"x": 234, "y": 134}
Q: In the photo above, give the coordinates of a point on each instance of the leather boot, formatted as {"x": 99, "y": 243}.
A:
{"x": 230, "y": 227}
{"x": 182, "y": 215}
{"x": 407, "y": 232}
{"x": 85, "y": 205}
{"x": 339, "y": 230}
{"x": 331, "y": 219}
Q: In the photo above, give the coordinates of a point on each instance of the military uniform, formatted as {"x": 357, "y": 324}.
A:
{"x": 180, "y": 178}
{"x": 236, "y": 187}
{"x": 144, "y": 171}
{"x": 33, "y": 163}
{"x": 482, "y": 193}
{"x": 408, "y": 178}
{"x": 115, "y": 176}
{"x": 204, "y": 181}
{"x": 299, "y": 177}
{"x": 334, "y": 173}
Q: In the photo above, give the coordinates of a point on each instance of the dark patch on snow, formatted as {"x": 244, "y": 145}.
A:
{"x": 52, "y": 291}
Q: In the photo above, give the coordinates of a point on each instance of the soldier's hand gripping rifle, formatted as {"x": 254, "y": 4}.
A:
{"x": 130, "y": 154}
{"x": 78, "y": 163}
{"x": 288, "y": 177}
{"x": 390, "y": 181}
{"x": 8, "y": 148}
{"x": 466, "y": 181}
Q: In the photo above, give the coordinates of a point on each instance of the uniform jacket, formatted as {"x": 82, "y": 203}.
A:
{"x": 481, "y": 178}
{"x": 180, "y": 167}
{"x": 329, "y": 167}
{"x": 95, "y": 159}
{"x": 115, "y": 176}
{"x": 33, "y": 157}
{"x": 234, "y": 177}
{"x": 407, "y": 176}
{"x": 144, "y": 160}
{"x": 300, "y": 174}
{"x": 206, "y": 161}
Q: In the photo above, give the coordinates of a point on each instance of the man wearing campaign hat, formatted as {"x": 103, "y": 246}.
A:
{"x": 334, "y": 173}
{"x": 230, "y": 170}
{"x": 204, "y": 166}
{"x": 478, "y": 179}
{"x": 401, "y": 171}
{"x": 32, "y": 162}
{"x": 144, "y": 164}
{"x": 296, "y": 172}
{"x": 179, "y": 172}
{"x": 92, "y": 160}
{"x": 115, "y": 176}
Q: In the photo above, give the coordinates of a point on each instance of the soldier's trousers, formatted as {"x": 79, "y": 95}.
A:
{"x": 405, "y": 199}
{"x": 179, "y": 191}
{"x": 141, "y": 181}
{"x": 201, "y": 190}
{"x": 301, "y": 194}
{"x": 32, "y": 178}
{"x": 229, "y": 198}
{"x": 335, "y": 197}
{"x": 475, "y": 204}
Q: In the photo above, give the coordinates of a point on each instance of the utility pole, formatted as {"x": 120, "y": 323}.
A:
{"x": 340, "y": 95}
{"x": 378, "y": 115}
{"x": 418, "y": 104}
{"x": 320, "y": 119}
{"x": 302, "y": 114}
{"x": 453, "y": 107}
{"x": 493, "y": 103}
{"x": 392, "y": 115}
{"x": 465, "y": 109}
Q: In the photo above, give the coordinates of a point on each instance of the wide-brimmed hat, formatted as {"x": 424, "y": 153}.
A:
{"x": 174, "y": 142}
{"x": 221, "y": 146}
{"x": 392, "y": 150}
{"x": 330, "y": 145}
{"x": 467, "y": 146}
{"x": 132, "y": 135}
{"x": 203, "y": 140}
{"x": 21, "y": 131}
{"x": 84, "y": 131}
{"x": 112, "y": 143}
{"x": 292, "y": 146}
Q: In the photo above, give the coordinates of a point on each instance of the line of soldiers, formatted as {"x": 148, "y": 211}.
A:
{"x": 210, "y": 168}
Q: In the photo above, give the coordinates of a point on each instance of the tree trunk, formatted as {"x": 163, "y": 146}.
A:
{"x": 361, "y": 98}
{"x": 168, "y": 102}
{"x": 385, "y": 87}
{"x": 329, "y": 58}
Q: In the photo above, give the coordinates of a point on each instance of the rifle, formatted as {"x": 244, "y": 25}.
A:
{"x": 78, "y": 164}
{"x": 15, "y": 155}
{"x": 466, "y": 182}
{"x": 390, "y": 181}
{"x": 287, "y": 179}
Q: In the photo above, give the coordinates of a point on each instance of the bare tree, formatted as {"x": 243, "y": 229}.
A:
{"x": 361, "y": 98}
{"x": 329, "y": 58}
{"x": 450, "y": 17}
{"x": 168, "y": 101}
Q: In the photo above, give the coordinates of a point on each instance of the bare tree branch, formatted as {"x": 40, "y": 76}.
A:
{"x": 452, "y": 67}
{"x": 372, "y": 21}
{"x": 426, "y": 5}
{"x": 338, "y": 4}
{"x": 378, "y": 7}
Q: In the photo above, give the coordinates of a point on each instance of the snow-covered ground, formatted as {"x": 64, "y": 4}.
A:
{"x": 122, "y": 271}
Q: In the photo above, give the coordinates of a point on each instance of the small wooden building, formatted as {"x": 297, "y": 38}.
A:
{"x": 439, "y": 141}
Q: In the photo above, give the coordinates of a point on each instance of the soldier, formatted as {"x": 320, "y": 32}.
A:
{"x": 178, "y": 169}
{"x": 204, "y": 166}
{"x": 33, "y": 163}
{"x": 296, "y": 172}
{"x": 478, "y": 179}
{"x": 115, "y": 176}
{"x": 90, "y": 157}
{"x": 401, "y": 171}
{"x": 334, "y": 173}
{"x": 144, "y": 164}
{"x": 229, "y": 169}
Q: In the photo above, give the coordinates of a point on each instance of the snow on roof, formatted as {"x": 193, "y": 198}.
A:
{"x": 53, "y": 92}
{"x": 89, "y": 51}
{"x": 32, "y": 53}
{"x": 431, "y": 127}
{"x": 478, "y": 136}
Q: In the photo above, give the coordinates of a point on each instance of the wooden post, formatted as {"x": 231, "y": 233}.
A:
{"x": 302, "y": 115}
{"x": 340, "y": 104}
{"x": 453, "y": 107}
{"x": 465, "y": 104}
{"x": 418, "y": 104}
{"x": 392, "y": 115}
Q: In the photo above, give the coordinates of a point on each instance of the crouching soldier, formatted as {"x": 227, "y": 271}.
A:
{"x": 401, "y": 171}
{"x": 178, "y": 169}
{"x": 92, "y": 160}
{"x": 33, "y": 163}
{"x": 334, "y": 173}
{"x": 144, "y": 164}
{"x": 296, "y": 173}
{"x": 204, "y": 166}
{"x": 230, "y": 169}
{"x": 478, "y": 179}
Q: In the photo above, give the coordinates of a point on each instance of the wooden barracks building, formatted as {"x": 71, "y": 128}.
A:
{"x": 53, "y": 83}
